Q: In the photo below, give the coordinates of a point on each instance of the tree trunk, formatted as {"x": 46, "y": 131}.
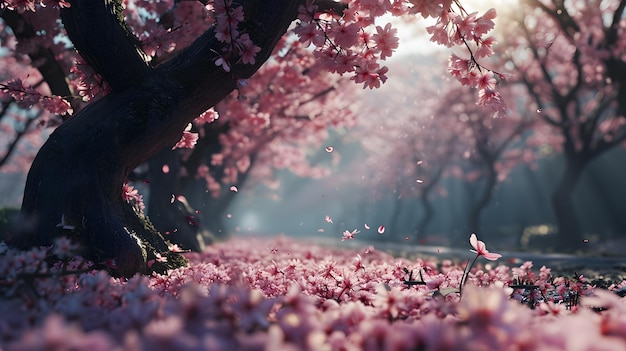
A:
{"x": 569, "y": 235}
{"x": 427, "y": 215}
{"x": 424, "y": 198}
{"x": 174, "y": 217}
{"x": 473, "y": 221}
{"x": 77, "y": 176}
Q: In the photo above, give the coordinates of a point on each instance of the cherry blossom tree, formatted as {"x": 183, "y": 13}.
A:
{"x": 492, "y": 147}
{"x": 407, "y": 147}
{"x": 244, "y": 144}
{"x": 148, "y": 78}
{"x": 437, "y": 131}
{"x": 570, "y": 58}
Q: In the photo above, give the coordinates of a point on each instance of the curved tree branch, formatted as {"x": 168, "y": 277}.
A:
{"x": 101, "y": 37}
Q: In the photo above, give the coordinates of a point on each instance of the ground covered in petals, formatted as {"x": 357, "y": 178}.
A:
{"x": 283, "y": 294}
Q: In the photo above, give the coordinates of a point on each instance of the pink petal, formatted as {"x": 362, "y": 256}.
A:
{"x": 491, "y": 256}
{"x": 474, "y": 241}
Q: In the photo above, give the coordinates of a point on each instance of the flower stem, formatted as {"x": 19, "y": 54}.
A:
{"x": 465, "y": 274}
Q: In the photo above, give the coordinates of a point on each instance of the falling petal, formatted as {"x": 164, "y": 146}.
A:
{"x": 366, "y": 226}
{"x": 419, "y": 181}
{"x": 191, "y": 220}
{"x": 329, "y": 149}
{"x": 419, "y": 162}
{"x": 234, "y": 189}
{"x": 381, "y": 229}
{"x": 320, "y": 230}
{"x": 328, "y": 219}
{"x": 165, "y": 169}
{"x": 229, "y": 216}
{"x": 539, "y": 110}
{"x": 406, "y": 238}
{"x": 172, "y": 199}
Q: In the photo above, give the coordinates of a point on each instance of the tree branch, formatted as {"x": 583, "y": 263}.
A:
{"x": 49, "y": 68}
{"x": 101, "y": 37}
{"x": 13, "y": 144}
{"x": 560, "y": 15}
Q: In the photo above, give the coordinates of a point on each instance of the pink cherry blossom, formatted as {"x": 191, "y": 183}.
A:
{"x": 481, "y": 250}
{"x": 188, "y": 140}
{"x": 386, "y": 40}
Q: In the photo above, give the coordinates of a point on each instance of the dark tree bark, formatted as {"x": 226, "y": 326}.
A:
{"x": 176, "y": 219}
{"x": 79, "y": 172}
{"x": 490, "y": 181}
{"x": 428, "y": 211}
{"x": 570, "y": 236}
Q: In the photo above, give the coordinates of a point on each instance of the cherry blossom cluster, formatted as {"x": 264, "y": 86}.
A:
{"x": 277, "y": 118}
{"x": 188, "y": 140}
{"x": 256, "y": 293}
{"x": 350, "y": 42}
{"x": 87, "y": 82}
{"x": 26, "y": 97}
{"x": 344, "y": 42}
{"x": 470, "y": 73}
{"x": 132, "y": 196}
{"x": 457, "y": 27}
{"x": 239, "y": 47}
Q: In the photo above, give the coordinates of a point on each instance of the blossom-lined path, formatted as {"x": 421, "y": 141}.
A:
{"x": 594, "y": 264}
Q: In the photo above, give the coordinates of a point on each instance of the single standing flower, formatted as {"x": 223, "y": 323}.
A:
{"x": 481, "y": 249}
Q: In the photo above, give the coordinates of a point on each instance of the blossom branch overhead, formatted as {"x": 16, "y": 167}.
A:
{"x": 352, "y": 43}
{"x": 348, "y": 41}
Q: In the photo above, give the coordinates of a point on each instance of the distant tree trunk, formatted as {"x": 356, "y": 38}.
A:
{"x": 427, "y": 189}
{"x": 427, "y": 214}
{"x": 77, "y": 176}
{"x": 473, "y": 221}
{"x": 393, "y": 227}
{"x": 569, "y": 235}
{"x": 605, "y": 190}
{"x": 173, "y": 217}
